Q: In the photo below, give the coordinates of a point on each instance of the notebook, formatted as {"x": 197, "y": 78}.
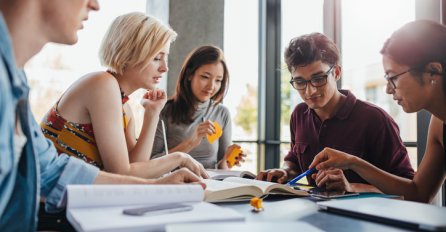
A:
{"x": 397, "y": 212}
{"x": 233, "y": 189}
{"x": 104, "y": 207}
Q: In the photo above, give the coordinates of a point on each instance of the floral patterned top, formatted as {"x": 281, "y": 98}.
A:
{"x": 75, "y": 139}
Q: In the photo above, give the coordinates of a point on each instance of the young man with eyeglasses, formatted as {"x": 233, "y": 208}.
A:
{"x": 334, "y": 118}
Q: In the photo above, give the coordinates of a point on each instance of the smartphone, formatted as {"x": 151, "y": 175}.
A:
{"x": 158, "y": 209}
{"x": 326, "y": 194}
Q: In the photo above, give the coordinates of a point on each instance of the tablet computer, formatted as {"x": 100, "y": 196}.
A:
{"x": 326, "y": 194}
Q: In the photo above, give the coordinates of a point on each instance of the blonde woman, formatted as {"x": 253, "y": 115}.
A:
{"x": 92, "y": 121}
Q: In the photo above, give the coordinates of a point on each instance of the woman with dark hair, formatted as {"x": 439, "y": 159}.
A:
{"x": 414, "y": 60}
{"x": 189, "y": 116}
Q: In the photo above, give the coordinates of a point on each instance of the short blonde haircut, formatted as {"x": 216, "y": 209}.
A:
{"x": 132, "y": 40}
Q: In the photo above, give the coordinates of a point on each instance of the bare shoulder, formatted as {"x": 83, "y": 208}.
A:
{"x": 99, "y": 88}
{"x": 99, "y": 81}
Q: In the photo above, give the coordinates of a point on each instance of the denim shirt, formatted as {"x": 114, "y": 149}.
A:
{"x": 37, "y": 171}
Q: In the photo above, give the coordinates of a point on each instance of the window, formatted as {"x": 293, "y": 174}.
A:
{"x": 298, "y": 18}
{"x": 241, "y": 45}
{"x": 365, "y": 27}
{"x": 56, "y": 67}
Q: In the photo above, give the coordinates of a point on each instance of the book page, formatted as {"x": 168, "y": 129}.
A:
{"x": 217, "y": 191}
{"x": 268, "y": 187}
{"x": 263, "y": 185}
{"x": 80, "y": 196}
{"x": 219, "y": 174}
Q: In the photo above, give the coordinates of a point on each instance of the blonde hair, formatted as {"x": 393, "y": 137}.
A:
{"x": 132, "y": 40}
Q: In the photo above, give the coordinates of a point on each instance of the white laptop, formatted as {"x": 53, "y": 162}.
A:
{"x": 397, "y": 212}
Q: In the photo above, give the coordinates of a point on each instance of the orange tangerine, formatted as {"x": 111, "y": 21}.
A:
{"x": 234, "y": 154}
{"x": 217, "y": 134}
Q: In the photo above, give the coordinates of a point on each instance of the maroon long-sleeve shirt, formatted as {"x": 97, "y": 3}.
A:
{"x": 358, "y": 128}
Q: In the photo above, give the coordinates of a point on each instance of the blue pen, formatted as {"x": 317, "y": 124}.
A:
{"x": 303, "y": 174}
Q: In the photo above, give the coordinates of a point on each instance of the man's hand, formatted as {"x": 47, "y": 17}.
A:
{"x": 278, "y": 175}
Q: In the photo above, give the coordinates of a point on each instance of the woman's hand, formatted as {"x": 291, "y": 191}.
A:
{"x": 201, "y": 131}
{"x": 190, "y": 163}
{"x": 331, "y": 158}
{"x": 153, "y": 101}
{"x": 333, "y": 179}
{"x": 239, "y": 158}
{"x": 180, "y": 176}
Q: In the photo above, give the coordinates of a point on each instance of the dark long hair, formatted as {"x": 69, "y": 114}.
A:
{"x": 182, "y": 106}
{"x": 416, "y": 44}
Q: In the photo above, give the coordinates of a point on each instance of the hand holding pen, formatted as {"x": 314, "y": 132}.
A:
{"x": 302, "y": 175}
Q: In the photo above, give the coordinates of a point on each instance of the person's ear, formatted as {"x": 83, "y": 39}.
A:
{"x": 434, "y": 68}
{"x": 337, "y": 72}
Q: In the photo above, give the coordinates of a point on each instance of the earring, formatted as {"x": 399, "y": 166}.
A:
{"x": 433, "y": 82}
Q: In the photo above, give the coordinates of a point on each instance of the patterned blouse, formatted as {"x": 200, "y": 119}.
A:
{"x": 75, "y": 139}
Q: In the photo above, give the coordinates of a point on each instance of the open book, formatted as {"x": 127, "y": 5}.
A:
{"x": 241, "y": 189}
{"x": 101, "y": 207}
{"x": 220, "y": 174}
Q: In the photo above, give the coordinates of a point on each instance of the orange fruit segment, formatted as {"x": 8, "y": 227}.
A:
{"x": 256, "y": 203}
{"x": 231, "y": 158}
{"x": 217, "y": 134}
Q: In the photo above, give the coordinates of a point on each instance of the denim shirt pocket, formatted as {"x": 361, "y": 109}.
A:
{"x": 6, "y": 160}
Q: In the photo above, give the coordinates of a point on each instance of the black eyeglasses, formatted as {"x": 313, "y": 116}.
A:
{"x": 316, "y": 81}
{"x": 392, "y": 79}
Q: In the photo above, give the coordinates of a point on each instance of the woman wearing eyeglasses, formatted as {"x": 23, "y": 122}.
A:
{"x": 414, "y": 60}
{"x": 334, "y": 118}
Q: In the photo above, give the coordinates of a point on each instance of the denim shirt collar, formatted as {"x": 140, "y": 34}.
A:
{"x": 18, "y": 82}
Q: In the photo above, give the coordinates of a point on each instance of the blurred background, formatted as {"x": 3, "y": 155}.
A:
{"x": 253, "y": 35}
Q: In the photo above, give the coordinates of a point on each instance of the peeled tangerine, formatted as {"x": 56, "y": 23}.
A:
{"x": 217, "y": 134}
{"x": 231, "y": 160}
{"x": 257, "y": 204}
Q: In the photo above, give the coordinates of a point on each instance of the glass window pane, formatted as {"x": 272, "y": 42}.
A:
{"x": 241, "y": 43}
{"x": 298, "y": 18}
{"x": 363, "y": 35}
{"x": 56, "y": 67}
{"x": 284, "y": 149}
{"x": 250, "y": 164}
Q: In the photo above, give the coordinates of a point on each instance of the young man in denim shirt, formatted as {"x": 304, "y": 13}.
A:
{"x": 29, "y": 165}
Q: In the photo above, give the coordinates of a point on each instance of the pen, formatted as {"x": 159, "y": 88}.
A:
{"x": 165, "y": 137}
{"x": 303, "y": 174}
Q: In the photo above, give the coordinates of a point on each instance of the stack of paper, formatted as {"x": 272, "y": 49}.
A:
{"x": 100, "y": 207}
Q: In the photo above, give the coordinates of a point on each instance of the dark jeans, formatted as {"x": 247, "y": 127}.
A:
{"x": 53, "y": 221}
